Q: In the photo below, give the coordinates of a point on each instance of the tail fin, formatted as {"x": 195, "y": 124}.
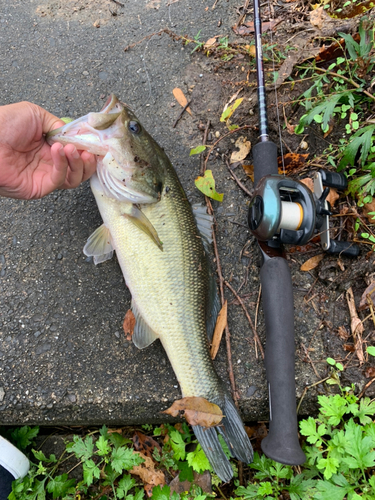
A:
{"x": 234, "y": 435}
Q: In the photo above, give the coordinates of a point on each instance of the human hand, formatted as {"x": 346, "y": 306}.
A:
{"x": 29, "y": 167}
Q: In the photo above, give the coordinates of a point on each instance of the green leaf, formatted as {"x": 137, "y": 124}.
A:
{"x": 197, "y": 150}
{"x": 39, "y": 455}
{"x": 366, "y": 407}
{"x": 361, "y": 139}
{"x": 371, "y": 350}
{"x": 300, "y": 488}
{"x": 103, "y": 446}
{"x": 360, "y": 448}
{"x": 206, "y": 185}
{"x": 329, "y": 491}
{"x": 118, "y": 440}
{"x": 198, "y": 460}
{"x": 59, "y": 486}
{"x": 227, "y": 113}
{"x": 22, "y": 437}
{"x": 159, "y": 493}
{"x": 333, "y": 408}
{"x": 83, "y": 449}
{"x": 125, "y": 459}
{"x": 331, "y": 361}
{"x": 125, "y": 484}
{"x": 90, "y": 470}
{"x": 265, "y": 488}
{"x": 177, "y": 444}
{"x": 329, "y": 465}
{"x": 186, "y": 472}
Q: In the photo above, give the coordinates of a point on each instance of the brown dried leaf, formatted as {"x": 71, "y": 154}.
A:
{"x": 333, "y": 196}
{"x": 145, "y": 444}
{"x": 308, "y": 182}
{"x": 221, "y": 323}
{"x": 318, "y": 17}
{"x": 356, "y": 326}
{"x": 201, "y": 480}
{"x": 312, "y": 263}
{"x": 369, "y": 207}
{"x": 197, "y": 411}
{"x": 148, "y": 474}
{"x": 181, "y": 99}
{"x": 211, "y": 42}
{"x": 293, "y": 162}
{"x": 370, "y": 372}
{"x": 244, "y": 148}
{"x": 129, "y": 324}
{"x": 343, "y": 333}
{"x": 367, "y": 294}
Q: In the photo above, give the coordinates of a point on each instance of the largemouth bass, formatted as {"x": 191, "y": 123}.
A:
{"x": 148, "y": 221}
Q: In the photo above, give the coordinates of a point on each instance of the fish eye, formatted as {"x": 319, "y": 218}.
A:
{"x": 134, "y": 127}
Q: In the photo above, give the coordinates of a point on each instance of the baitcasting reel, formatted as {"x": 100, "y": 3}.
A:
{"x": 283, "y": 210}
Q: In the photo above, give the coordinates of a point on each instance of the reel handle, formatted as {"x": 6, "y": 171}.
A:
{"x": 343, "y": 248}
{"x": 281, "y": 443}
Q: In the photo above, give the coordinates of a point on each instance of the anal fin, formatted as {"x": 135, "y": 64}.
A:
{"x": 143, "y": 335}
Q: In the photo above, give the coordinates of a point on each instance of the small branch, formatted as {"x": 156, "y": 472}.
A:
{"x": 307, "y": 388}
{"x": 256, "y": 337}
{"x": 182, "y": 112}
{"x": 236, "y": 179}
{"x": 332, "y": 73}
{"x": 366, "y": 387}
{"x": 118, "y": 3}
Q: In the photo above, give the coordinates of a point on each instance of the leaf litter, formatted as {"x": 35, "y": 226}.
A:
{"x": 196, "y": 411}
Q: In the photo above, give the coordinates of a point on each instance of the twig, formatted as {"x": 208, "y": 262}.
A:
{"x": 243, "y": 15}
{"x": 118, "y": 3}
{"x": 221, "y": 288}
{"x": 205, "y": 135}
{"x": 308, "y": 357}
{"x": 214, "y": 5}
{"x": 236, "y": 179}
{"x": 366, "y": 387}
{"x": 182, "y": 112}
{"x": 256, "y": 337}
{"x": 347, "y": 80}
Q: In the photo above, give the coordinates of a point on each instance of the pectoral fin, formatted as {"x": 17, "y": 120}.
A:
{"x": 99, "y": 245}
{"x": 138, "y": 218}
{"x": 143, "y": 336}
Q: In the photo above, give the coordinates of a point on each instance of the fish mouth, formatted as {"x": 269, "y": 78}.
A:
{"x": 90, "y": 131}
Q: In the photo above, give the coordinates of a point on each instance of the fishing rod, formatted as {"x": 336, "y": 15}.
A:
{"x": 284, "y": 211}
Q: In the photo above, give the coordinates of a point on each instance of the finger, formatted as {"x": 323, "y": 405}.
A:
{"x": 89, "y": 165}
{"x": 75, "y": 173}
{"x": 60, "y": 167}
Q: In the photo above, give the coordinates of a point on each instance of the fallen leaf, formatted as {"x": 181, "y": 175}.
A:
{"x": 349, "y": 348}
{"x": 343, "y": 333}
{"x": 129, "y": 324}
{"x": 318, "y": 17}
{"x": 335, "y": 50}
{"x": 181, "y": 99}
{"x": 290, "y": 128}
{"x": 333, "y": 195}
{"x": 96, "y": 24}
{"x": 370, "y": 372}
{"x": 206, "y": 185}
{"x": 145, "y": 444}
{"x": 203, "y": 481}
{"x": 197, "y": 411}
{"x": 211, "y": 42}
{"x": 356, "y": 326}
{"x": 367, "y": 294}
{"x": 330, "y": 128}
{"x": 312, "y": 263}
{"x": 244, "y": 148}
{"x": 221, "y": 323}
{"x": 230, "y": 109}
{"x": 293, "y": 162}
{"x": 198, "y": 150}
{"x": 149, "y": 475}
{"x": 249, "y": 171}
{"x": 368, "y": 208}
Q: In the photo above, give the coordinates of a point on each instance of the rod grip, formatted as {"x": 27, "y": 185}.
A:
{"x": 265, "y": 160}
{"x": 281, "y": 443}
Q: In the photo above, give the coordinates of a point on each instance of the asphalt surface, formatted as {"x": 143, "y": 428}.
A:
{"x": 64, "y": 357}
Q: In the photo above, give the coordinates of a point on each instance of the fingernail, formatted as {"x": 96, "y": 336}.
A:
{"x": 75, "y": 154}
